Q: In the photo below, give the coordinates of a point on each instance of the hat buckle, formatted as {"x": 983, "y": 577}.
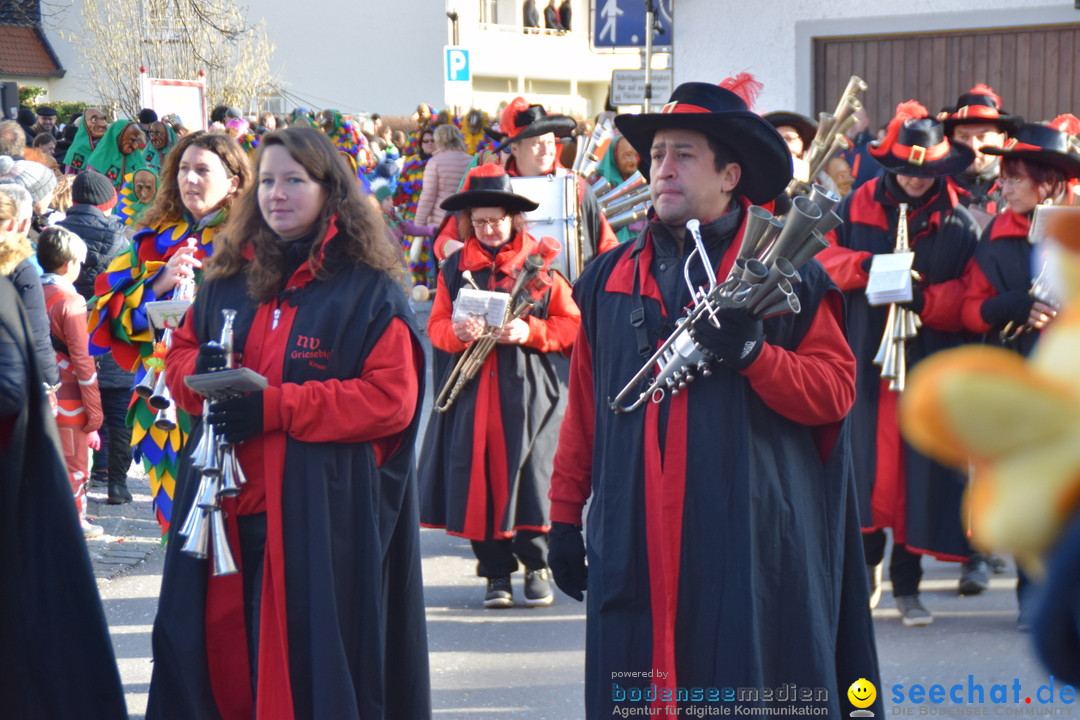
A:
{"x": 917, "y": 155}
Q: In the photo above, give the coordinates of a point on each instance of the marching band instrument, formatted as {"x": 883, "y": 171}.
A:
{"x": 589, "y": 153}
{"x": 760, "y": 281}
{"x": 831, "y": 137}
{"x": 557, "y": 217}
{"x": 1042, "y": 288}
{"x": 901, "y": 325}
{"x": 528, "y": 286}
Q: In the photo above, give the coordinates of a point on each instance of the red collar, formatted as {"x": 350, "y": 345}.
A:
{"x": 1010, "y": 224}
{"x": 507, "y": 259}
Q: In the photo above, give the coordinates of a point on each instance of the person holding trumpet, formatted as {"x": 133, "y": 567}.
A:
{"x": 201, "y": 178}
{"x": 898, "y": 487}
{"x": 722, "y": 541}
{"x": 321, "y": 614}
{"x": 486, "y": 458}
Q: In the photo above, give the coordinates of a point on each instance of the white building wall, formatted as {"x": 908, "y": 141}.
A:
{"x": 773, "y": 39}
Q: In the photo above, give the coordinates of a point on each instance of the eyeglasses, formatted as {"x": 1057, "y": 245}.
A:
{"x": 489, "y": 224}
{"x": 1013, "y": 181}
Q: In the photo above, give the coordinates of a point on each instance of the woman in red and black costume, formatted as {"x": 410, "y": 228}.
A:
{"x": 1038, "y": 166}
{"x": 898, "y": 487}
{"x": 325, "y": 618}
{"x": 486, "y": 462}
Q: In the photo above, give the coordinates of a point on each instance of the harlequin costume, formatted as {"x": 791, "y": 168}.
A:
{"x": 897, "y": 486}
{"x": 410, "y": 183}
{"x": 128, "y": 207}
{"x": 722, "y": 534}
{"x": 118, "y": 321}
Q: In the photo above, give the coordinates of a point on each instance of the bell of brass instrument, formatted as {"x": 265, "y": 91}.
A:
{"x": 760, "y": 281}
{"x": 901, "y": 325}
{"x": 521, "y": 301}
{"x": 632, "y": 198}
{"x": 600, "y": 186}
{"x": 831, "y": 137}
{"x": 633, "y": 214}
{"x": 630, "y": 184}
{"x": 589, "y": 153}
{"x": 220, "y": 476}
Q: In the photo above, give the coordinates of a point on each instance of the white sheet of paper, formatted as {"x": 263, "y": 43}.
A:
{"x": 890, "y": 278}
{"x": 486, "y": 304}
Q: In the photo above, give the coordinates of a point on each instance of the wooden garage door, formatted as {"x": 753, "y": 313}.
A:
{"x": 1033, "y": 68}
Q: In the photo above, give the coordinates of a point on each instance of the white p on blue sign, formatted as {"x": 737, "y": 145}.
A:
{"x": 457, "y": 64}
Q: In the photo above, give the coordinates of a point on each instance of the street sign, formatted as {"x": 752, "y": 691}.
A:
{"x": 621, "y": 23}
{"x": 457, "y": 64}
{"x": 628, "y": 87}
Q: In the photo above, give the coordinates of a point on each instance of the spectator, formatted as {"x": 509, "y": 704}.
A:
{"x": 12, "y": 139}
{"x": 45, "y": 142}
{"x": 61, "y": 254}
{"x": 410, "y": 185}
{"x": 147, "y": 117}
{"x": 443, "y": 174}
{"x": 66, "y": 138}
{"x": 564, "y": 14}
{"x": 38, "y": 180}
{"x": 551, "y": 17}
{"x": 45, "y": 122}
{"x": 26, "y": 120}
{"x": 18, "y": 264}
{"x": 530, "y": 16}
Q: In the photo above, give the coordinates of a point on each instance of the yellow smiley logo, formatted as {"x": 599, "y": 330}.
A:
{"x": 862, "y": 693}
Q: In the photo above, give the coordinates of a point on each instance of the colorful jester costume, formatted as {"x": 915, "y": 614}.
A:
{"x": 410, "y": 182}
{"x": 128, "y": 207}
{"x": 118, "y": 321}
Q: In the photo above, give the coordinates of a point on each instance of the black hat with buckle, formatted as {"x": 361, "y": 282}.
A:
{"x": 916, "y": 145}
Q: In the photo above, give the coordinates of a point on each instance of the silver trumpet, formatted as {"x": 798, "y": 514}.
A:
{"x": 760, "y": 281}
{"x": 220, "y": 476}
{"x": 901, "y": 325}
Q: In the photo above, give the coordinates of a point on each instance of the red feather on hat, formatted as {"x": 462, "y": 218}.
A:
{"x": 910, "y": 110}
{"x": 746, "y": 86}
{"x": 984, "y": 89}
{"x": 506, "y": 121}
{"x": 1066, "y": 123}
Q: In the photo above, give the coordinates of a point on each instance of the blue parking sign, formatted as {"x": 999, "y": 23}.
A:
{"x": 621, "y": 23}
{"x": 457, "y": 64}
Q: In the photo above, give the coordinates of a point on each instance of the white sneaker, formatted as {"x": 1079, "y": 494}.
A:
{"x": 91, "y": 530}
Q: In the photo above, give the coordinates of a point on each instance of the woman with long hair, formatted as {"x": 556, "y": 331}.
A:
{"x": 325, "y": 618}
{"x": 201, "y": 178}
{"x": 486, "y": 461}
{"x": 410, "y": 185}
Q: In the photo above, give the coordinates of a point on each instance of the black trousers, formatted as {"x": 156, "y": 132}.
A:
{"x": 905, "y": 567}
{"x": 499, "y": 558}
{"x": 113, "y": 460}
{"x": 252, "y": 548}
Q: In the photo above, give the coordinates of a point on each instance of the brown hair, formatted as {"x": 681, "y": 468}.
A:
{"x": 168, "y": 205}
{"x": 362, "y": 237}
{"x": 8, "y": 209}
{"x": 1039, "y": 172}
{"x": 466, "y": 229}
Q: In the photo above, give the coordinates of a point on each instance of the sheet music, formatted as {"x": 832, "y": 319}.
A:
{"x": 890, "y": 278}
{"x": 486, "y": 304}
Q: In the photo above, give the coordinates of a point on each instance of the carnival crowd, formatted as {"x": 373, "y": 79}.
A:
{"x": 233, "y": 309}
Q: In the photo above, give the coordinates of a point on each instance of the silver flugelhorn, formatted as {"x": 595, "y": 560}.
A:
{"x": 220, "y": 476}
{"x": 760, "y": 281}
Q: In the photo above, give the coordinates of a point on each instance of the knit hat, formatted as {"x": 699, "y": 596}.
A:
{"x": 38, "y": 180}
{"x": 381, "y": 191}
{"x": 92, "y": 188}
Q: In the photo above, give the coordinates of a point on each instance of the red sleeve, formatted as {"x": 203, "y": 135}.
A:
{"x": 572, "y": 470}
{"x": 843, "y": 264}
{"x": 74, "y": 334}
{"x": 447, "y": 231}
{"x": 977, "y": 290}
{"x": 380, "y": 403}
{"x": 440, "y": 327}
{"x": 556, "y": 332}
{"x": 944, "y": 304}
{"x": 179, "y": 363}
{"x": 815, "y": 384}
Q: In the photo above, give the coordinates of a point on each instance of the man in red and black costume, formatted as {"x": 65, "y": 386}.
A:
{"x": 898, "y": 487}
{"x": 531, "y": 136}
{"x": 978, "y": 122}
{"x": 723, "y": 544}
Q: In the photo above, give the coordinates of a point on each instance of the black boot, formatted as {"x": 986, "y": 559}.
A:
{"x": 118, "y": 492}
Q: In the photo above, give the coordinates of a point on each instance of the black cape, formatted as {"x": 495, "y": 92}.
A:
{"x": 355, "y": 610}
{"x": 772, "y": 587}
{"x": 56, "y": 656}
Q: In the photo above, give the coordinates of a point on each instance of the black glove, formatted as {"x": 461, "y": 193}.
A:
{"x": 1014, "y": 305}
{"x": 917, "y": 301}
{"x": 211, "y": 358}
{"x": 238, "y": 418}
{"x": 566, "y": 558}
{"x": 738, "y": 340}
{"x": 865, "y": 264}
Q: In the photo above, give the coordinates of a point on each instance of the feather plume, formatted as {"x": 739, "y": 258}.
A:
{"x": 910, "y": 110}
{"x": 1066, "y": 123}
{"x": 984, "y": 89}
{"x": 746, "y": 86}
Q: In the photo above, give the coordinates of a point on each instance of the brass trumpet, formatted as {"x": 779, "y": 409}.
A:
{"x": 760, "y": 281}
{"x": 901, "y": 325}
{"x": 220, "y": 476}
{"x": 522, "y": 300}
{"x": 831, "y": 137}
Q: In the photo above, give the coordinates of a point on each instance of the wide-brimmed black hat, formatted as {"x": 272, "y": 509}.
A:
{"x": 520, "y": 120}
{"x": 488, "y": 186}
{"x": 720, "y": 113}
{"x": 981, "y": 106}
{"x": 1044, "y": 144}
{"x": 803, "y": 125}
{"x": 917, "y": 146}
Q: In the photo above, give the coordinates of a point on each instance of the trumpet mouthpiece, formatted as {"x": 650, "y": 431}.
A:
{"x": 693, "y": 225}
